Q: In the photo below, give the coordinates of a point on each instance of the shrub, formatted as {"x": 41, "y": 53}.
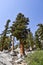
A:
{"x": 35, "y": 59}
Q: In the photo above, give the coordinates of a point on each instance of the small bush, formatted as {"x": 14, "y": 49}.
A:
{"x": 35, "y": 59}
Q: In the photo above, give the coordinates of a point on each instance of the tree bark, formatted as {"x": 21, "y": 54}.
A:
{"x": 2, "y": 48}
{"x": 21, "y": 48}
{"x": 12, "y": 42}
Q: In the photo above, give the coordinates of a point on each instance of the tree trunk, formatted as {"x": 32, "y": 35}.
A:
{"x": 21, "y": 48}
{"x": 2, "y": 48}
{"x": 12, "y": 42}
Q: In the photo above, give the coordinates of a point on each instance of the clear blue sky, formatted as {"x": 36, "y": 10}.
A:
{"x": 30, "y": 8}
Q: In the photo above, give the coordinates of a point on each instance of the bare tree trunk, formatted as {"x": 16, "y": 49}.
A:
{"x": 12, "y": 51}
{"x": 21, "y": 48}
{"x": 2, "y": 48}
{"x": 12, "y": 42}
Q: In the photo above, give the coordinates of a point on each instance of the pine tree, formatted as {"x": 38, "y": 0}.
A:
{"x": 40, "y": 31}
{"x": 39, "y": 35}
{"x": 19, "y": 29}
{"x": 4, "y": 34}
{"x": 30, "y": 39}
{"x": 38, "y": 43}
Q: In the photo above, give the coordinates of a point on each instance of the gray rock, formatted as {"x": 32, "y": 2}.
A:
{"x": 13, "y": 53}
{"x": 19, "y": 60}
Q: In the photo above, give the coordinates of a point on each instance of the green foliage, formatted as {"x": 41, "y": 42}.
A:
{"x": 40, "y": 31}
{"x": 7, "y": 43}
{"x": 19, "y": 27}
{"x": 3, "y": 41}
{"x": 38, "y": 43}
{"x": 6, "y": 28}
{"x": 39, "y": 35}
{"x": 29, "y": 40}
{"x": 35, "y": 59}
